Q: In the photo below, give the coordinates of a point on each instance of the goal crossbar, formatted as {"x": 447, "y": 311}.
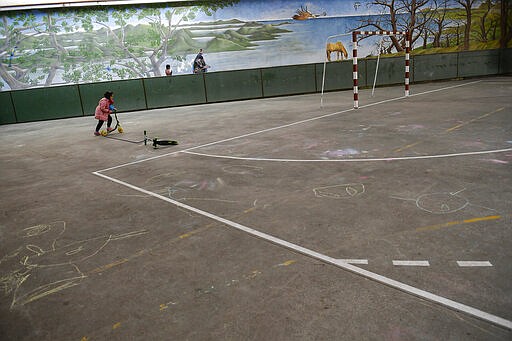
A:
{"x": 354, "y": 58}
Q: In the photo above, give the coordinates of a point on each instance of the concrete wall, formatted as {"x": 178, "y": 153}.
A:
{"x": 140, "y": 94}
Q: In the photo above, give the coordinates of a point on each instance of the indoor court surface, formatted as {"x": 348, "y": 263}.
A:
{"x": 272, "y": 219}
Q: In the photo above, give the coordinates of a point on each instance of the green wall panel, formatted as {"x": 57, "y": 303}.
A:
{"x": 7, "y": 114}
{"x": 47, "y": 103}
{"x": 288, "y": 80}
{"x": 128, "y": 95}
{"x": 506, "y": 61}
{"x": 76, "y": 100}
{"x": 391, "y": 71}
{"x": 338, "y": 75}
{"x": 435, "y": 66}
{"x": 175, "y": 90}
{"x": 233, "y": 85}
{"x": 478, "y": 63}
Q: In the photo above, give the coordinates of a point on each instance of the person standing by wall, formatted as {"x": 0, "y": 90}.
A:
{"x": 199, "y": 63}
{"x": 168, "y": 71}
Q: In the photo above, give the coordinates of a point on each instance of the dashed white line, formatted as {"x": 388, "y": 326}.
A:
{"x": 473, "y": 263}
{"x": 411, "y": 263}
{"x": 418, "y": 262}
{"x": 297, "y": 248}
{"x": 344, "y": 265}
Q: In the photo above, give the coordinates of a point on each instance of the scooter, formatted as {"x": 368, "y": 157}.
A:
{"x": 158, "y": 142}
{"x": 105, "y": 132}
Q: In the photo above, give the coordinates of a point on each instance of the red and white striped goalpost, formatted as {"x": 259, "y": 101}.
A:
{"x": 354, "y": 58}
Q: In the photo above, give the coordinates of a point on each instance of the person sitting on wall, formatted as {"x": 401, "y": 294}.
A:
{"x": 168, "y": 71}
{"x": 199, "y": 63}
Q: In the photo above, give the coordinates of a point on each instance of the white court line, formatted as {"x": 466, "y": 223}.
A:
{"x": 354, "y": 261}
{"x": 297, "y": 248}
{"x": 287, "y": 125}
{"x": 473, "y": 263}
{"x": 351, "y": 160}
{"x": 341, "y": 264}
{"x": 411, "y": 263}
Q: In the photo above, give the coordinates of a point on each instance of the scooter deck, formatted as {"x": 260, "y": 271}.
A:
{"x": 157, "y": 142}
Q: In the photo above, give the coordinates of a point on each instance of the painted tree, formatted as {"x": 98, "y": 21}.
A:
{"x": 20, "y": 31}
{"x": 400, "y": 15}
{"x": 467, "y": 5}
{"x": 505, "y": 22}
{"x": 92, "y": 44}
{"x": 488, "y": 22}
{"x": 439, "y": 22}
{"x": 39, "y": 47}
{"x": 11, "y": 37}
{"x": 140, "y": 51}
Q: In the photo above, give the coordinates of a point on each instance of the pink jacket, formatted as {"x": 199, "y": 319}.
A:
{"x": 102, "y": 110}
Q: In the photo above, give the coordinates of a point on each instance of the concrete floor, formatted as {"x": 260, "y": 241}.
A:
{"x": 273, "y": 219}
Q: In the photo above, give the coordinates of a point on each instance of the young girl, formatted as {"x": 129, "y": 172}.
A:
{"x": 103, "y": 112}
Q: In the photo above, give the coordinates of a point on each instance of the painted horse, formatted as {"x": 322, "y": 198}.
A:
{"x": 338, "y": 48}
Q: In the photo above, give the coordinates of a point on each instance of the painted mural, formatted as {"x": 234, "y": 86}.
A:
{"x": 91, "y": 44}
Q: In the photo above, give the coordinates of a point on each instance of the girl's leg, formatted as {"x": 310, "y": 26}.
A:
{"x": 98, "y": 126}
{"x": 109, "y": 122}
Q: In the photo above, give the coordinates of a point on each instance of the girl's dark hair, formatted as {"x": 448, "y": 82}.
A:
{"x": 108, "y": 94}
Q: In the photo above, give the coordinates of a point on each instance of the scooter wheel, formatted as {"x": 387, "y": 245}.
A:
{"x": 120, "y": 129}
{"x": 104, "y": 133}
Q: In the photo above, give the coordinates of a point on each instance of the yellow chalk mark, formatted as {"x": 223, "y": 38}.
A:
{"x": 42, "y": 291}
{"x": 408, "y": 146}
{"x": 457, "y": 222}
{"x": 474, "y": 220}
{"x": 450, "y": 129}
{"x": 186, "y": 235}
{"x": 165, "y": 306}
{"x": 288, "y": 262}
{"x": 108, "y": 266}
{"x": 84, "y": 338}
{"x": 191, "y": 233}
{"x": 253, "y": 274}
{"x": 473, "y": 120}
{"x": 117, "y": 325}
{"x": 150, "y": 251}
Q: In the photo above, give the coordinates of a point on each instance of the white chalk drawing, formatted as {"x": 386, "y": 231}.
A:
{"x": 340, "y": 191}
{"x": 439, "y": 202}
{"x": 163, "y": 177}
{"x": 341, "y": 153}
{"x": 244, "y": 170}
{"x": 45, "y": 264}
{"x": 186, "y": 186}
{"x": 410, "y": 127}
{"x": 181, "y": 190}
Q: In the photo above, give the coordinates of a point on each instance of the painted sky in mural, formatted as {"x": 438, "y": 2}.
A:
{"x": 45, "y": 48}
{"x": 281, "y": 10}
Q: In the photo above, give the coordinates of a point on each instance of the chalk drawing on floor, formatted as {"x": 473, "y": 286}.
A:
{"x": 340, "y": 191}
{"x": 439, "y": 202}
{"x": 244, "y": 170}
{"x": 46, "y": 264}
